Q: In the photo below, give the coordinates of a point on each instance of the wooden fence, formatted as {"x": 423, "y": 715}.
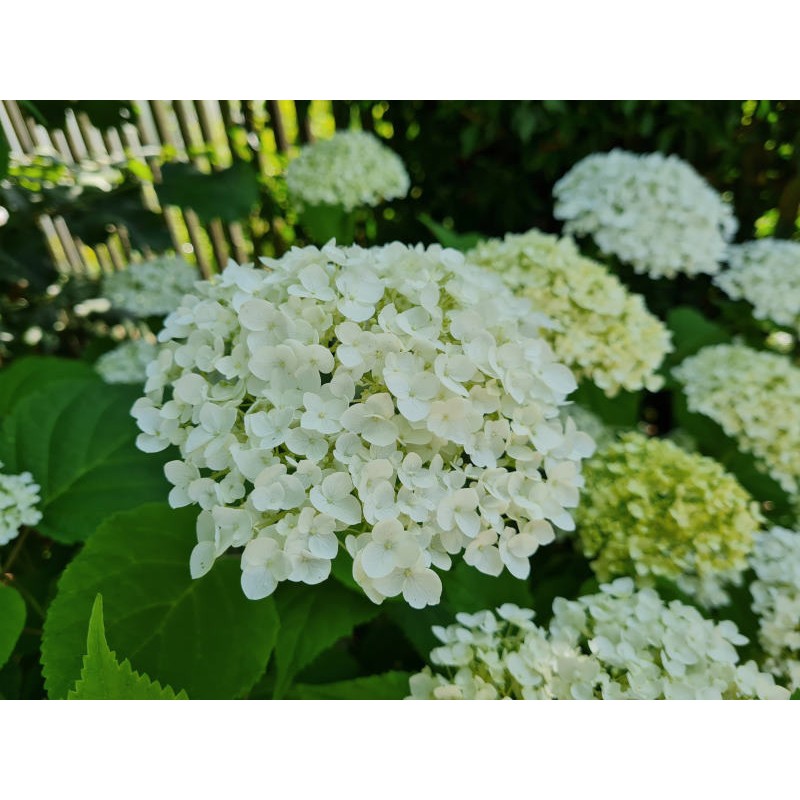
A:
{"x": 211, "y": 135}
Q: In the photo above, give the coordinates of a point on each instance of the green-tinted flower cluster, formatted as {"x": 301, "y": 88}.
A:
{"x": 651, "y": 509}
{"x": 602, "y": 331}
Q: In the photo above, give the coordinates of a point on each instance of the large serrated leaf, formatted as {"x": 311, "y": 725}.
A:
{"x": 389, "y": 686}
{"x": 312, "y": 619}
{"x": 30, "y": 375}
{"x": 104, "y": 678}
{"x": 77, "y": 439}
{"x": 204, "y": 636}
{"x": 12, "y": 620}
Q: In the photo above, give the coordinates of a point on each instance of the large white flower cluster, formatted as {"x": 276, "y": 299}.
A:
{"x": 396, "y": 398}
{"x": 652, "y": 211}
{"x": 150, "y": 288}
{"x": 776, "y": 600}
{"x": 766, "y": 273}
{"x": 617, "y": 644}
{"x": 126, "y": 363}
{"x": 19, "y": 495}
{"x": 351, "y": 169}
{"x": 755, "y": 397}
{"x": 602, "y": 331}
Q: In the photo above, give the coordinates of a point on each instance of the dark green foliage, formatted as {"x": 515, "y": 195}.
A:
{"x": 228, "y": 195}
{"x": 203, "y": 636}
{"x": 76, "y": 437}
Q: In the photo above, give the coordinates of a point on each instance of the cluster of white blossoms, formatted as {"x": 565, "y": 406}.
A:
{"x": 651, "y": 211}
{"x": 150, "y": 288}
{"x": 755, "y": 397}
{"x": 394, "y": 397}
{"x": 19, "y": 495}
{"x": 766, "y": 273}
{"x": 351, "y": 169}
{"x": 618, "y": 644}
{"x": 126, "y": 363}
{"x": 776, "y": 599}
{"x": 602, "y": 331}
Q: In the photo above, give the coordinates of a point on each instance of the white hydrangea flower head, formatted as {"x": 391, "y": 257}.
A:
{"x": 351, "y": 169}
{"x": 126, "y": 363}
{"x": 393, "y": 401}
{"x": 19, "y": 495}
{"x": 754, "y": 396}
{"x": 618, "y": 644}
{"x": 765, "y": 273}
{"x": 603, "y": 331}
{"x": 776, "y": 600}
{"x": 151, "y": 288}
{"x": 651, "y": 211}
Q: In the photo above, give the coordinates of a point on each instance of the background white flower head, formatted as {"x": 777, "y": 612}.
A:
{"x": 765, "y": 273}
{"x": 150, "y": 288}
{"x": 351, "y": 169}
{"x": 651, "y": 211}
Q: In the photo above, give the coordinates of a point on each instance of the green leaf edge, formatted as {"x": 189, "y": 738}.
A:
{"x": 101, "y": 659}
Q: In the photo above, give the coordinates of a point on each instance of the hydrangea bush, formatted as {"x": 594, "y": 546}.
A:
{"x": 602, "y": 330}
{"x": 332, "y": 453}
{"x": 765, "y": 419}
{"x": 651, "y": 509}
{"x": 618, "y": 644}
{"x": 358, "y": 398}
{"x": 765, "y": 273}
{"x": 651, "y": 211}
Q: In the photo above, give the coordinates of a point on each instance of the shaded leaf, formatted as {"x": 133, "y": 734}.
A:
{"x": 389, "y": 686}
{"x": 104, "y": 678}
{"x": 204, "y": 636}
{"x": 466, "y": 589}
{"x": 26, "y": 376}
{"x": 78, "y": 442}
{"x": 228, "y": 195}
{"x": 691, "y": 331}
{"x": 448, "y": 238}
{"x": 312, "y": 619}
{"x": 12, "y": 620}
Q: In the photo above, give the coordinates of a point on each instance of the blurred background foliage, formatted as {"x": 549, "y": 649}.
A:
{"x": 87, "y": 186}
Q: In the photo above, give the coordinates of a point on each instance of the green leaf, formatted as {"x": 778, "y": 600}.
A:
{"x": 466, "y": 589}
{"x": 325, "y": 222}
{"x": 691, "y": 332}
{"x": 312, "y": 619}
{"x": 79, "y": 444}
{"x": 29, "y": 375}
{"x": 104, "y": 678}
{"x": 5, "y": 153}
{"x": 795, "y": 695}
{"x": 621, "y": 410}
{"x": 389, "y": 686}
{"x": 228, "y": 195}
{"x": 12, "y": 620}
{"x": 448, "y": 238}
{"x": 202, "y": 635}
